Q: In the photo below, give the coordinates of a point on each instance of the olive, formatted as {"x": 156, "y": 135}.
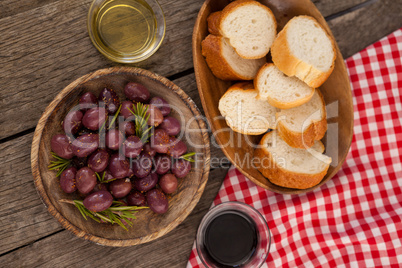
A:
{"x": 114, "y": 139}
{"x": 118, "y": 166}
{"x": 168, "y": 183}
{"x": 98, "y": 160}
{"x": 157, "y": 201}
{"x": 120, "y": 188}
{"x": 88, "y": 100}
{"x": 126, "y": 109}
{"x": 132, "y": 147}
{"x": 161, "y": 104}
{"x": 67, "y": 180}
{"x": 136, "y": 199}
{"x": 162, "y": 164}
{"x": 181, "y": 168}
{"x": 146, "y": 183}
{"x": 61, "y": 146}
{"x": 86, "y": 180}
{"x": 94, "y": 118}
{"x": 85, "y": 144}
{"x": 110, "y": 99}
{"x": 98, "y": 201}
{"x": 72, "y": 122}
{"x": 171, "y": 125}
{"x": 136, "y": 92}
{"x": 176, "y": 147}
{"x": 160, "y": 141}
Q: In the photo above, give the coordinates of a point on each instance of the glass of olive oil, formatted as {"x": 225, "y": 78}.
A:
{"x": 126, "y": 31}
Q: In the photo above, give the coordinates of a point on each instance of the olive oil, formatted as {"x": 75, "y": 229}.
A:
{"x": 125, "y": 28}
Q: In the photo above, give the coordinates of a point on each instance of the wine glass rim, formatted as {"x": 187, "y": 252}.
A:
{"x": 213, "y": 209}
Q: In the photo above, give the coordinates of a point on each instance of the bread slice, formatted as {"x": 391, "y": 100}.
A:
{"x": 291, "y": 167}
{"x": 301, "y": 126}
{"x": 249, "y": 26}
{"x": 244, "y": 113}
{"x": 213, "y": 21}
{"x": 279, "y": 90}
{"x": 225, "y": 63}
{"x": 305, "y": 50}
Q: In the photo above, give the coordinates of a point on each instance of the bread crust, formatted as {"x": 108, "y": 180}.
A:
{"x": 239, "y": 3}
{"x": 306, "y": 139}
{"x": 292, "y": 66}
{"x": 213, "y": 22}
{"x": 281, "y": 177}
{"x": 272, "y": 101}
{"x": 212, "y": 51}
{"x": 246, "y": 86}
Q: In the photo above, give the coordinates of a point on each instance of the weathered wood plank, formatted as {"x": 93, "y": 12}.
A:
{"x": 46, "y": 48}
{"x": 329, "y": 7}
{"x": 358, "y": 29}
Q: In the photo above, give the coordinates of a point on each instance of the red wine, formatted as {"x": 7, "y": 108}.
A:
{"x": 230, "y": 239}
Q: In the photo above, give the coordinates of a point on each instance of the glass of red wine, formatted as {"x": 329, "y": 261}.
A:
{"x": 233, "y": 234}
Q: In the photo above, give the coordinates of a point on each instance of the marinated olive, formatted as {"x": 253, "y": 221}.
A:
{"x": 146, "y": 183}
{"x": 85, "y": 144}
{"x": 126, "y": 109}
{"x": 98, "y": 160}
{"x": 142, "y": 166}
{"x": 161, "y": 104}
{"x": 88, "y": 100}
{"x": 114, "y": 139}
{"x": 120, "y": 188}
{"x": 67, "y": 180}
{"x": 94, "y": 118}
{"x": 136, "y": 199}
{"x": 61, "y": 146}
{"x": 85, "y": 180}
{"x": 98, "y": 201}
{"x": 155, "y": 116}
{"x": 160, "y": 141}
{"x": 168, "y": 183}
{"x": 118, "y": 166}
{"x": 132, "y": 147}
{"x": 73, "y": 122}
{"x": 157, "y": 201}
{"x": 110, "y": 100}
{"x": 162, "y": 164}
{"x": 136, "y": 92}
{"x": 176, "y": 147}
{"x": 181, "y": 168}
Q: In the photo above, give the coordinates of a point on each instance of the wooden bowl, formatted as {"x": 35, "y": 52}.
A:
{"x": 148, "y": 225}
{"x": 239, "y": 148}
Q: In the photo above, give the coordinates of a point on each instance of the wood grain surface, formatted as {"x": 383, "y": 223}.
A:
{"x": 43, "y": 47}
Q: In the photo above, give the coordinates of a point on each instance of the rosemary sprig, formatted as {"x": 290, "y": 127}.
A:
{"x": 115, "y": 117}
{"x": 117, "y": 213}
{"x": 60, "y": 164}
{"x": 188, "y": 156}
{"x": 141, "y": 119}
{"x": 102, "y": 179}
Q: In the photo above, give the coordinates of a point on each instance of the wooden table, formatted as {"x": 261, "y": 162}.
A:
{"x": 44, "y": 46}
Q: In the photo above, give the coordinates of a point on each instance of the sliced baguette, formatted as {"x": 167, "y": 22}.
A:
{"x": 225, "y": 63}
{"x": 244, "y": 113}
{"x": 279, "y": 90}
{"x": 213, "y": 21}
{"x": 291, "y": 167}
{"x": 305, "y": 50}
{"x": 249, "y": 26}
{"x": 301, "y": 126}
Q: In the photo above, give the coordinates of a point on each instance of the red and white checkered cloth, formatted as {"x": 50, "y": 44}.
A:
{"x": 355, "y": 219}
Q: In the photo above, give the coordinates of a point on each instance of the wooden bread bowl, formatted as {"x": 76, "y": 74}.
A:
{"x": 148, "y": 225}
{"x": 239, "y": 148}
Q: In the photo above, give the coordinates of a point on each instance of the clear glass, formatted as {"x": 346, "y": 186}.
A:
{"x": 126, "y": 31}
{"x": 263, "y": 233}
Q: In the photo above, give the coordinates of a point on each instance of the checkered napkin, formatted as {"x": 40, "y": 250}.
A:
{"x": 355, "y": 219}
